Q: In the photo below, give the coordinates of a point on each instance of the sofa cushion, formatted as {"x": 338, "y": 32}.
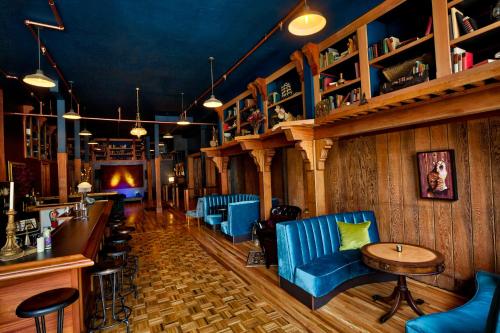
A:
{"x": 213, "y": 219}
{"x": 353, "y": 235}
{"x": 322, "y": 275}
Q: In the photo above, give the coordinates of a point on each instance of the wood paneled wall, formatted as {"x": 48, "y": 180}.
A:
{"x": 295, "y": 178}
{"x": 243, "y": 175}
{"x": 379, "y": 173}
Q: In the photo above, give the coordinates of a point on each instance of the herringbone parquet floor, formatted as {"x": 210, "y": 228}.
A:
{"x": 194, "y": 280}
{"x": 183, "y": 289}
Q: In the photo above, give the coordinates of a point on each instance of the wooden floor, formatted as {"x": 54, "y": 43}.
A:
{"x": 194, "y": 280}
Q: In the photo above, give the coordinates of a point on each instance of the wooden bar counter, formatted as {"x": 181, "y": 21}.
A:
{"x": 75, "y": 245}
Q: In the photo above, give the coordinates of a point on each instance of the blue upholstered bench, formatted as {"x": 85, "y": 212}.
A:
{"x": 212, "y": 217}
{"x": 310, "y": 265}
{"x": 241, "y": 217}
{"x": 480, "y": 314}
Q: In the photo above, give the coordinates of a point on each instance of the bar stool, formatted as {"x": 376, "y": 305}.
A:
{"x": 123, "y": 230}
{"x": 118, "y": 239}
{"x": 120, "y": 256}
{"x": 39, "y": 305}
{"x": 107, "y": 295}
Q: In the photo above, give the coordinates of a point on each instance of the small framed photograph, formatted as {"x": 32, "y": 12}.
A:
{"x": 437, "y": 175}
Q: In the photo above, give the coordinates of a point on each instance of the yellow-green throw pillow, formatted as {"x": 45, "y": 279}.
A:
{"x": 353, "y": 236}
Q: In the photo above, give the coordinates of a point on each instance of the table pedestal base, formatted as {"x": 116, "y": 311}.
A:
{"x": 399, "y": 294}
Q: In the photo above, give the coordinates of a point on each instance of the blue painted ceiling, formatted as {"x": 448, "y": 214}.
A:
{"x": 110, "y": 47}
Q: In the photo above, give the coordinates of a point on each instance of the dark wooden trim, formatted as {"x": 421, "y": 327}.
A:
{"x": 3, "y": 163}
{"x": 239, "y": 238}
{"x": 315, "y": 303}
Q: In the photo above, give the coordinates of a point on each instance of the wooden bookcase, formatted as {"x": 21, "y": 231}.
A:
{"x": 233, "y": 116}
{"x": 117, "y": 150}
{"x": 288, "y": 81}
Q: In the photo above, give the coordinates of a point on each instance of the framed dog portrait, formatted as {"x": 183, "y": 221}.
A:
{"x": 437, "y": 175}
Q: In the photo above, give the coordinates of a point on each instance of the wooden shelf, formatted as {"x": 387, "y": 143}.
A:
{"x": 339, "y": 61}
{"x": 475, "y": 34}
{"x": 453, "y": 3}
{"x": 247, "y": 108}
{"x": 419, "y": 41}
{"x": 285, "y": 100}
{"x": 341, "y": 86}
{"x": 246, "y": 123}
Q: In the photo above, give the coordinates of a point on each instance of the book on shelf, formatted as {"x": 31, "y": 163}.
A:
{"x": 338, "y": 100}
{"x": 460, "y": 24}
{"x": 382, "y": 47}
{"x": 332, "y": 54}
{"x": 356, "y": 69}
{"x": 461, "y": 60}
{"x": 428, "y": 30}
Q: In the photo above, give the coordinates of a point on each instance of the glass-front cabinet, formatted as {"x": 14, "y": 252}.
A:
{"x": 38, "y": 138}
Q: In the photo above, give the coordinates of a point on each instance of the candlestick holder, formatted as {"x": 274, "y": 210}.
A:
{"x": 11, "y": 250}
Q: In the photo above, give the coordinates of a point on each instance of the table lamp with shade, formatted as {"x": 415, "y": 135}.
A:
{"x": 84, "y": 188}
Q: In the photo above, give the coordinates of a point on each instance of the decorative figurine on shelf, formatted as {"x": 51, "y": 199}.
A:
{"x": 352, "y": 45}
{"x": 255, "y": 119}
{"x": 282, "y": 114}
{"x": 214, "y": 142}
{"x": 286, "y": 90}
{"x": 341, "y": 79}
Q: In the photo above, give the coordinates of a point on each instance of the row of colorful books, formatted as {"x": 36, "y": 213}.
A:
{"x": 461, "y": 60}
{"x": 338, "y": 100}
{"x": 329, "y": 80}
{"x": 332, "y": 54}
{"x": 459, "y": 24}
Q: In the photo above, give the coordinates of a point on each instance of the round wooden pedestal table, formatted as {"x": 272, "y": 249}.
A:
{"x": 411, "y": 260}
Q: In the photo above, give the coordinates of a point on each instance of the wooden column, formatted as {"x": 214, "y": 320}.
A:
{"x": 322, "y": 148}
{"x": 149, "y": 173}
{"x": 221, "y": 164}
{"x": 86, "y": 153}
{"x": 62, "y": 155}
{"x": 364, "y": 65}
{"x": 441, "y": 37}
{"x": 159, "y": 208}
{"x": 315, "y": 153}
{"x": 77, "y": 160}
{"x": 3, "y": 163}
{"x": 263, "y": 159}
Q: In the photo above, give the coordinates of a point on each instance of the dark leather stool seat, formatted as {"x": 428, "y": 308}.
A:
{"x": 123, "y": 230}
{"x": 115, "y": 224}
{"x": 39, "y": 305}
{"x": 118, "y": 239}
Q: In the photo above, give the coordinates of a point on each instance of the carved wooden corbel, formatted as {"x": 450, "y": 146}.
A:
{"x": 258, "y": 86}
{"x": 221, "y": 163}
{"x": 323, "y": 147}
{"x": 263, "y": 158}
{"x": 311, "y": 52}
{"x": 298, "y": 59}
{"x": 306, "y": 148}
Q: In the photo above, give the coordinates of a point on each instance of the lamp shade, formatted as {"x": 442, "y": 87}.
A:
{"x": 212, "y": 102}
{"x": 92, "y": 143}
{"x": 84, "y": 187}
{"x": 307, "y": 22}
{"x": 138, "y": 131}
{"x": 85, "y": 132}
{"x": 39, "y": 79}
{"x": 168, "y": 136}
{"x": 72, "y": 115}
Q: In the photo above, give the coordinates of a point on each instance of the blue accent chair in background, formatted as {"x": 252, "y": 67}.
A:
{"x": 214, "y": 218}
{"x": 241, "y": 217}
{"x": 479, "y": 315}
{"x": 310, "y": 266}
{"x": 197, "y": 213}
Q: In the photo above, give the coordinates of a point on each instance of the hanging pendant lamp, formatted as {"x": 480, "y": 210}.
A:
{"x": 38, "y": 79}
{"x": 138, "y": 130}
{"x": 212, "y": 102}
{"x": 71, "y": 114}
{"x": 92, "y": 143}
{"x": 168, "y": 136}
{"x": 85, "y": 131}
{"x": 307, "y": 22}
{"x": 183, "y": 121}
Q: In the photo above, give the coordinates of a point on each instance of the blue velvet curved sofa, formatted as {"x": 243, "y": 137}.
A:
{"x": 214, "y": 218}
{"x": 311, "y": 267}
{"x": 241, "y": 216}
{"x": 480, "y": 314}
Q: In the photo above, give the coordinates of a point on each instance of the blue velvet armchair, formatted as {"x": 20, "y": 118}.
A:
{"x": 241, "y": 217}
{"x": 480, "y": 314}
